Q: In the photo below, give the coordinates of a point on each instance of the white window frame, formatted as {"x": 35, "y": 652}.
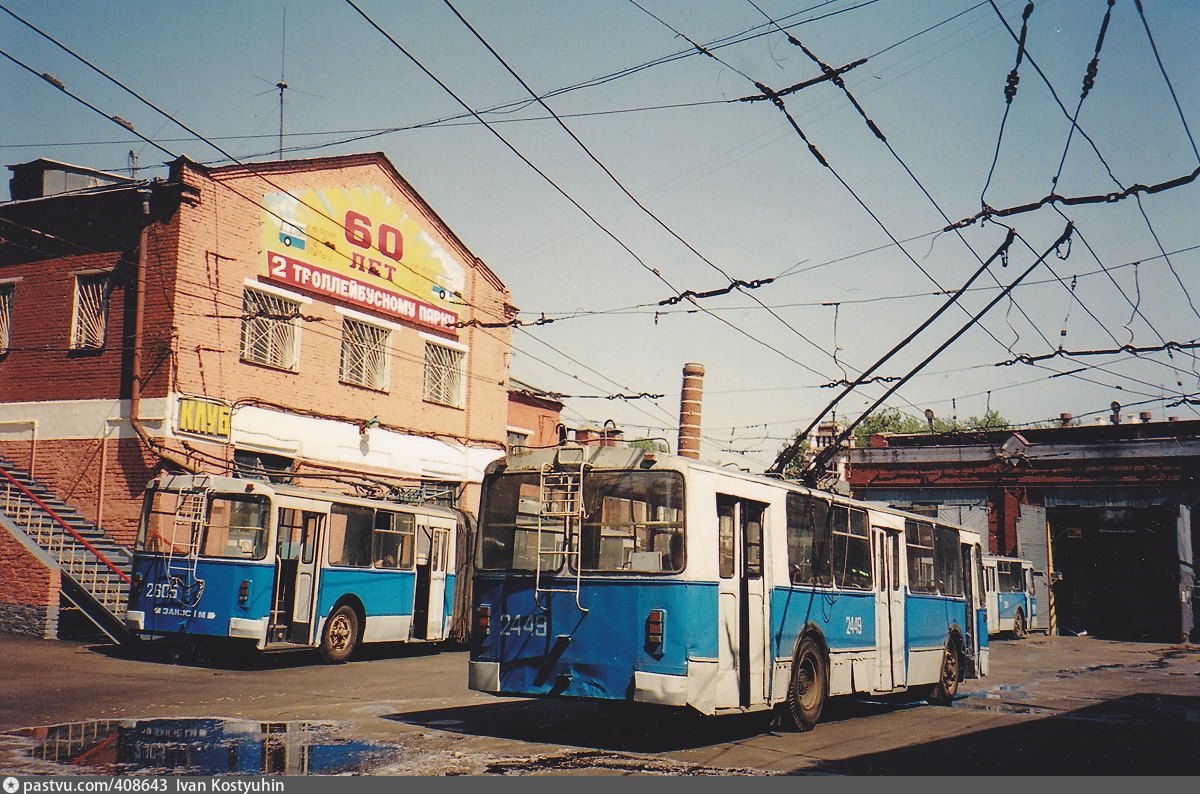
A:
{"x": 95, "y": 339}
{"x": 245, "y": 345}
{"x": 380, "y": 350}
{"x": 457, "y": 400}
{"x": 8, "y": 291}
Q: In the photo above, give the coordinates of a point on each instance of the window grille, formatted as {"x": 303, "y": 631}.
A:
{"x": 364, "y": 355}
{"x": 269, "y": 330}
{"x": 444, "y": 375}
{"x": 91, "y": 311}
{"x": 6, "y": 317}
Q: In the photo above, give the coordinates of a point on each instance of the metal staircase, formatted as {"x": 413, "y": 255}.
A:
{"x": 95, "y": 569}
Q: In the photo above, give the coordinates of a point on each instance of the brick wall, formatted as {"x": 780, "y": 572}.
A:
{"x": 71, "y": 469}
{"x": 28, "y": 591}
{"x": 219, "y": 248}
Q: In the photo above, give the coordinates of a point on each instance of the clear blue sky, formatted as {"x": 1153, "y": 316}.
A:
{"x": 733, "y": 179}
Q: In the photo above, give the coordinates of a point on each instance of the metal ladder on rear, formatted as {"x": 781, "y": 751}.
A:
{"x": 189, "y": 524}
{"x": 561, "y": 497}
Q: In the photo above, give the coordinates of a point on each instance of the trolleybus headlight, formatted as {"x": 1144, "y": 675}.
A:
{"x": 244, "y": 593}
{"x": 655, "y": 627}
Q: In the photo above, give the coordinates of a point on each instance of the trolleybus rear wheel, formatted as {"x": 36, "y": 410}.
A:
{"x": 340, "y": 636}
{"x": 809, "y": 688}
{"x": 1019, "y": 625}
{"x": 946, "y": 688}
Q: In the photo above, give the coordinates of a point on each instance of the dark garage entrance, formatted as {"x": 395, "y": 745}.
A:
{"x": 1120, "y": 572}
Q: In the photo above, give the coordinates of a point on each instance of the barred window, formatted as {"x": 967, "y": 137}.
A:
{"x": 269, "y": 330}
{"x": 91, "y": 311}
{"x": 6, "y": 317}
{"x": 444, "y": 375}
{"x": 364, "y": 355}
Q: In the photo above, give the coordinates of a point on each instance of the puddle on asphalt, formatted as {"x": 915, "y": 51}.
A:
{"x": 200, "y": 747}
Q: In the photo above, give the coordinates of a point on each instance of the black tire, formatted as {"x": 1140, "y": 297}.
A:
{"x": 809, "y": 686}
{"x": 1019, "y": 630}
{"x": 340, "y": 636}
{"x": 946, "y": 688}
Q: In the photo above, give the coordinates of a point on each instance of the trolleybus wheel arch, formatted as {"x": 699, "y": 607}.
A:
{"x": 340, "y": 636}
{"x": 809, "y": 686}
{"x": 1019, "y": 631}
{"x": 943, "y": 692}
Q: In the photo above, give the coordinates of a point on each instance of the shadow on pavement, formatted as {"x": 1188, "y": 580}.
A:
{"x": 1134, "y": 735}
{"x": 624, "y": 727}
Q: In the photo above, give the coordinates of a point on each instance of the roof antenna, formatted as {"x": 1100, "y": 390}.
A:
{"x": 133, "y": 164}
{"x": 281, "y": 85}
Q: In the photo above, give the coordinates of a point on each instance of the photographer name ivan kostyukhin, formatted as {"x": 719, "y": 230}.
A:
{"x": 140, "y": 785}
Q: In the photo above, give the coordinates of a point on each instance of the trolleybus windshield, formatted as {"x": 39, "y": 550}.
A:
{"x": 631, "y": 521}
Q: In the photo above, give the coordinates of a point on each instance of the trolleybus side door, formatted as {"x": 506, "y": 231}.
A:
{"x": 299, "y": 530}
{"x": 742, "y": 645}
{"x": 889, "y": 608}
{"x": 433, "y": 553}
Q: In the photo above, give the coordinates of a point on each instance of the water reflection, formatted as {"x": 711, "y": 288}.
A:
{"x": 202, "y": 747}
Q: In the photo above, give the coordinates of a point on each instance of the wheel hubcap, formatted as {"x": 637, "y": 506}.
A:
{"x": 339, "y": 632}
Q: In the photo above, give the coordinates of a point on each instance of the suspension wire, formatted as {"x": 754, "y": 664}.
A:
{"x": 1089, "y": 80}
{"x": 789, "y": 454}
{"x": 1154, "y": 48}
{"x": 1010, "y": 92}
{"x": 817, "y": 466}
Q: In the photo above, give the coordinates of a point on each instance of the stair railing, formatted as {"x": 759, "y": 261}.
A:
{"x": 46, "y": 529}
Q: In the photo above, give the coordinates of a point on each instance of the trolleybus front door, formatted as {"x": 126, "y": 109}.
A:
{"x": 297, "y": 566}
{"x": 742, "y": 645}
{"x": 889, "y": 609}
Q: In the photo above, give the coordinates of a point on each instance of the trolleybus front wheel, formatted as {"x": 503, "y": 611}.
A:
{"x": 809, "y": 688}
{"x": 946, "y": 688}
{"x": 340, "y": 636}
{"x": 1019, "y": 631}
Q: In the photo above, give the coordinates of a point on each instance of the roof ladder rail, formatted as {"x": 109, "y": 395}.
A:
{"x": 561, "y": 498}
{"x": 190, "y": 515}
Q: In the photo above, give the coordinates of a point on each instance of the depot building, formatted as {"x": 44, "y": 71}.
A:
{"x": 309, "y": 321}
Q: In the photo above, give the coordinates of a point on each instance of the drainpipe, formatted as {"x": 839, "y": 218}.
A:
{"x": 689, "y": 411}
{"x": 139, "y": 311}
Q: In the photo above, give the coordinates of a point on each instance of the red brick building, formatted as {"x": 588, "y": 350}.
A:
{"x": 534, "y": 416}
{"x": 313, "y": 320}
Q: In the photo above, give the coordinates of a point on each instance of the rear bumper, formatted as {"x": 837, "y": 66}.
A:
{"x": 484, "y": 676}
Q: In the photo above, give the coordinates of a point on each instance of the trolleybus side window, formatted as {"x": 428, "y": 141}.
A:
{"x": 237, "y": 527}
{"x": 725, "y": 536}
{"x": 1011, "y": 578}
{"x": 291, "y": 538}
{"x": 350, "y": 536}
{"x": 949, "y": 561}
{"x": 918, "y": 538}
{"x": 394, "y": 536}
{"x": 851, "y": 549}
{"x": 752, "y": 520}
{"x": 808, "y": 539}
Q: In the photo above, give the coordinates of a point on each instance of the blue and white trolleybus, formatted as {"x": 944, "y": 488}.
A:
{"x": 615, "y": 573}
{"x": 282, "y": 567}
{"x": 1011, "y": 603}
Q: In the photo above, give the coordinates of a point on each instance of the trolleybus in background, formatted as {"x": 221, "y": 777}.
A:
{"x": 282, "y": 567}
{"x": 616, "y": 573}
{"x": 1011, "y": 603}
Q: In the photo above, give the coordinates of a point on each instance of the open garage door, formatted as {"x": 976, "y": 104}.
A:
{"x": 1120, "y": 569}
